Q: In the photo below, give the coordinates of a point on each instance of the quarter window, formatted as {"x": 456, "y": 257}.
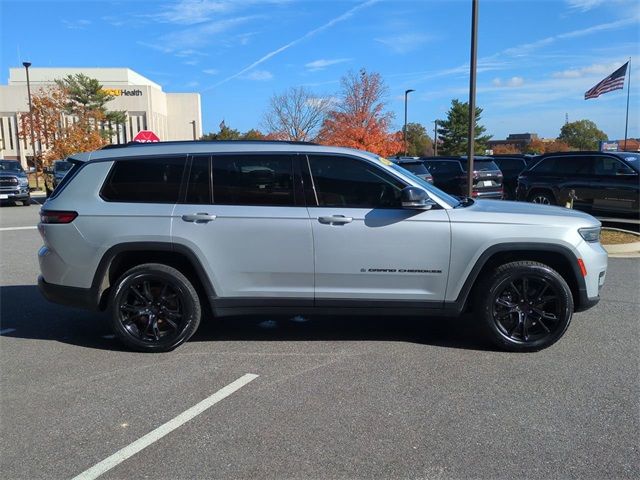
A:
{"x": 348, "y": 182}
{"x": 262, "y": 180}
{"x": 148, "y": 180}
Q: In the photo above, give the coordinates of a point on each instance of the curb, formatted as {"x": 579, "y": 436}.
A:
{"x": 625, "y": 250}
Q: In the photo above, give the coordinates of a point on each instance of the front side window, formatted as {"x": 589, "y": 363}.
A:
{"x": 611, "y": 166}
{"x": 352, "y": 183}
{"x": 145, "y": 180}
{"x": 259, "y": 180}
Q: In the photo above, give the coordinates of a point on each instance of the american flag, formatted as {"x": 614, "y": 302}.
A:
{"x": 615, "y": 81}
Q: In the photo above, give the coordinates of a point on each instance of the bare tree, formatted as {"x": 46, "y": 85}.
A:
{"x": 296, "y": 114}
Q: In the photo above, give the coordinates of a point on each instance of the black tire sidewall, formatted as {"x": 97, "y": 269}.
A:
{"x": 497, "y": 284}
{"x": 188, "y": 298}
{"x": 547, "y": 195}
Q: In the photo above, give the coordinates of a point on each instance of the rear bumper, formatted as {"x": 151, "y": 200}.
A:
{"x": 71, "y": 296}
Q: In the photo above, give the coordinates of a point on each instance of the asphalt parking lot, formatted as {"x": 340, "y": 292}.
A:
{"x": 333, "y": 397}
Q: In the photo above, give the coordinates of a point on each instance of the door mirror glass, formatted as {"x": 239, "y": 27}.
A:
{"x": 415, "y": 198}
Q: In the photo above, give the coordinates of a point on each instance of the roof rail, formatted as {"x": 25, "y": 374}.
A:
{"x": 199, "y": 142}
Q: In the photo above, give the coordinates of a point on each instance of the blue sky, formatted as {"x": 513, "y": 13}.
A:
{"x": 536, "y": 58}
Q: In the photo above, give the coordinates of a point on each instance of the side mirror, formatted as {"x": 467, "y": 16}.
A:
{"x": 415, "y": 198}
{"x": 32, "y": 169}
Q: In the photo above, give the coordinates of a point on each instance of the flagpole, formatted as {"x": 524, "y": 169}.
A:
{"x": 626, "y": 123}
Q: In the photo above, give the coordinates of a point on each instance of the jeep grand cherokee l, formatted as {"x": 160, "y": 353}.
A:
{"x": 158, "y": 233}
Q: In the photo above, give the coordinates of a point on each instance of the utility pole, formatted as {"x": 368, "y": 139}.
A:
{"x": 33, "y": 141}
{"x": 406, "y": 93}
{"x": 193, "y": 125}
{"x": 472, "y": 94}
{"x": 435, "y": 138}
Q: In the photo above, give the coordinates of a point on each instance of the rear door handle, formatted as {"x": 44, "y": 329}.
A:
{"x": 198, "y": 217}
{"x": 335, "y": 220}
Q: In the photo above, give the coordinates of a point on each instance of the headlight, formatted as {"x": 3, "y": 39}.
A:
{"x": 590, "y": 235}
{"x": 23, "y": 182}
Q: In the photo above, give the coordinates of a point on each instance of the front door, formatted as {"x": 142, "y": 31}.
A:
{"x": 366, "y": 246}
{"x": 244, "y": 217}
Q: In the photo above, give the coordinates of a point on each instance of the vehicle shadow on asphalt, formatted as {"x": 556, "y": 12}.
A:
{"x": 28, "y": 315}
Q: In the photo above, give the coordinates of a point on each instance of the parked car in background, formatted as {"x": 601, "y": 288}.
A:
{"x": 601, "y": 182}
{"x": 450, "y": 175}
{"x": 415, "y": 165}
{"x": 14, "y": 183}
{"x": 54, "y": 175}
{"x": 511, "y": 167}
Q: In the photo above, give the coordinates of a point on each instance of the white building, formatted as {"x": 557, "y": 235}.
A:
{"x": 170, "y": 116}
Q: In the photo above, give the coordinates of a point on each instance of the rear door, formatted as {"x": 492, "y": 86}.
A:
{"x": 368, "y": 248}
{"x": 245, "y": 217}
{"x": 617, "y": 186}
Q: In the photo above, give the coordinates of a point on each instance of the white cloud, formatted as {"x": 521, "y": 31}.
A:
{"x": 595, "y": 69}
{"x": 211, "y": 71}
{"x": 584, "y": 5}
{"x": 510, "y": 82}
{"x": 191, "y": 12}
{"x": 322, "y": 63}
{"x": 191, "y": 84}
{"x": 259, "y": 75}
{"x": 405, "y": 42}
{"x": 80, "y": 24}
{"x": 340, "y": 18}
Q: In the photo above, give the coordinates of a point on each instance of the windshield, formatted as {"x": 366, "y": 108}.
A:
{"x": 10, "y": 166}
{"x": 633, "y": 159}
{"x": 62, "y": 166}
{"x": 481, "y": 165}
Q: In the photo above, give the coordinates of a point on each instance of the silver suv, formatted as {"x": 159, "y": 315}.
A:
{"x": 158, "y": 234}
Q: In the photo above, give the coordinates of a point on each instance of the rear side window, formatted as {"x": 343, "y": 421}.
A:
{"x": 259, "y": 180}
{"x": 199, "y": 184}
{"x": 148, "y": 180}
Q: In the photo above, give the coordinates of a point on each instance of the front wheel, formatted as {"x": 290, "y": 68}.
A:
{"x": 542, "y": 198}
{"x": 154, "y": 308}
{"x": 525, "y": 306}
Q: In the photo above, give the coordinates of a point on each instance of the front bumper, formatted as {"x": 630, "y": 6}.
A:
{"x": 16, "y": 193}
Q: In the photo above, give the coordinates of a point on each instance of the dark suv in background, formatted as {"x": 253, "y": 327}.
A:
{"x": 450, "y": 175}
{"x": 415, "y": 165}
{"x": 14, "y": 183}
{"x": 604, "y": 182}
{"x": 511, "y": 166}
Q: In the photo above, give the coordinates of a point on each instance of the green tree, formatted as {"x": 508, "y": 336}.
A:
{"x": 419, "y": 143}
{"x": 228, "y": 133}
{"x": 453, "y": 131}
{"x": 87, "y": 100}
{"x": 582, "y": 134}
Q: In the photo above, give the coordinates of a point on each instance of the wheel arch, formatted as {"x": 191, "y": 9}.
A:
{"x": 120, "y": 258}
{"x": 558, "y": 257}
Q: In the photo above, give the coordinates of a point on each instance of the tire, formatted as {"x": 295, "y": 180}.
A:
{"x": 27, "y": 202}
{"x": 524, "y": 306}
{"x": 542, "y": 198}
{"x": 154, "y": 308}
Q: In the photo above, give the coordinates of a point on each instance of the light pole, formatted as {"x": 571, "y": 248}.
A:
{"x": 193, "y": 125}
{"x": 435, "y": 138}
{"x": 472, "y": 94}
{"x": 33, "y": 141}
{"x": 406, "y": 93}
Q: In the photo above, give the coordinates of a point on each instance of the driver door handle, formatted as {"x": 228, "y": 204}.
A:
{"x": 335, "y": 220}
{"x": 198, "y": 217}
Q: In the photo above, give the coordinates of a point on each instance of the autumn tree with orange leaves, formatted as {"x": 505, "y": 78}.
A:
{"x": 359, "y": 121}
{"x": 69, "y": 118}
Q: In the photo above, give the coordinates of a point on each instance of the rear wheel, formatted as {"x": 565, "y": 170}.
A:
{"x": 154, "y": 308}
{"x": 525, "y": 306}
{"x": 542, "y": 198}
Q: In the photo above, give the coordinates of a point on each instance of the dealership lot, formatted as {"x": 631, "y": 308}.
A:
{"x": 334, "y": 397}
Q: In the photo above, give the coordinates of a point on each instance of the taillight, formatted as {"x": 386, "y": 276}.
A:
{"x": 57, "y": 216}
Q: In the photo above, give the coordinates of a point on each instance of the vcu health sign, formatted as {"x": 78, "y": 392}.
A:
{"x": 146, "y": 136}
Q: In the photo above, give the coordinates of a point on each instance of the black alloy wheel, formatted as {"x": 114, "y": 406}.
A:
{"x": 527, "y": 306}
{"x": 154, "y": 308}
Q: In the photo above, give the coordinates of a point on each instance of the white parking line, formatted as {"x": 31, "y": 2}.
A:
{"x": 7, "y": 229}
{"x": 7, "y": 330}
{"x": 155, "y": 435}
